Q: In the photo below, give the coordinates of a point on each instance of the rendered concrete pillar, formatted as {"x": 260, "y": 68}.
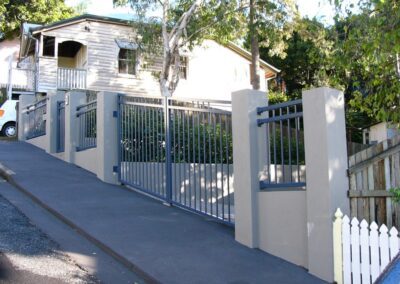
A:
{"x": 72, "y": 100}
{"x": 327, "y": 182}
{"x": 107, "y": 136}
{"x": 51, "y": 120}
{"x": 249, "y": 158}
{"x": 22, "y": 126}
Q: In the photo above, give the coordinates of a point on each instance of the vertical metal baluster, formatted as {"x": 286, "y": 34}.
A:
{"x": 297, "y": 144}
{"x": 290, "y": 146}
{"x": 159, "y": 177}
{"x": 140, "y": 162}
{"x": 198, "y": 161}
{"x": 153, "y": 149}
{"x": 274, "y": 134}
{"x": 228, "y": 162}
{"x": 178, "y": 195}
{"x": 221, "y": 165}
{"x": 129, "y": 137}
{"x": 174, "y": 187}
{"x": 132, "y": 125}
{"x": 268, "y": 136}
{"x": 122, "y": 126}
{"x": 215, "y": 164}
{"x": 194, "y": 160}
{"x": 205, "y": 163}
{"x": 210, "y": 162}
{"x": 188, "y": 165}
{"x": 147, "y": 143}
{"x": 168, "y": 151}
{"x": 184, "y": 156}
{"x": 164, "y": 153}
{"x": 282, "y": 149}
{"x": 120, "y": 138}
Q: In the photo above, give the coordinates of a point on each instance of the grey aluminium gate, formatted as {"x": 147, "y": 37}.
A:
{"x": 179, "y": 150}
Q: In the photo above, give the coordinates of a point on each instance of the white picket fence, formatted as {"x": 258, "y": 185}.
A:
{"x": 361, "y": 252}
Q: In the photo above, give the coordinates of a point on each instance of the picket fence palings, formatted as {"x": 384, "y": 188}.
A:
{"x": 355, "y": 251}
{"x": 346, "y": 250}
{"x": 374, "y": 244}
{"x": 364, "y": 247}
{"x": 393, "y": 242}
{"x": 337, "y": 247}
{"x": 384, "y": 246}
{"x": 361, "y": 252}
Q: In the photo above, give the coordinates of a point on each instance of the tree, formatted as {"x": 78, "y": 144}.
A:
{"x": 270, "y": 25}
{"x": 367, "y": 52}
{"x": 15, "y": 12}
{"x": 309, "y": 59}
{"x": 182, "y": 24}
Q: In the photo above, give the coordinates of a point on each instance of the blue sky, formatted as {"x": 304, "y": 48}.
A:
{"x": 318, "y": 8}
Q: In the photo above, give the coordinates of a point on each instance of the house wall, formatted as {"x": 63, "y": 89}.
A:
{"x": 213, "y": 70}
{"x": 7, "y": 48}
{"x": 378, "y": 132}
{"x": 47, "y": 74}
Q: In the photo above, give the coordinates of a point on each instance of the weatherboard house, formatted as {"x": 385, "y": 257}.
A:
{"x": 99, "y": 54}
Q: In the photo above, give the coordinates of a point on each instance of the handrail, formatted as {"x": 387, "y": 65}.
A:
{"x": 35, "y": 105}
{"x": 85, "y": 105}
{"x": 260, "y": 110}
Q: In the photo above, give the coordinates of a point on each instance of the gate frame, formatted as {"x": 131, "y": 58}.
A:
{"x": 168, "y": 200}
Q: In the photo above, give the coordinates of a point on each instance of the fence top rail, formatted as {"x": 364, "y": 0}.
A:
{"x": 193, "y": 100}
{"x": 392, "y": 149}
{"x": 263, "y": 109}
{"x": 278, "y": 118}
{"x": 125, "y": 96}
{"x": 172, "y": 99}
{"x": 38, "y": 104}
{"x": 72, "y": 69}
{"x": 88, "y": 105}
{"x": 209, "y": 110}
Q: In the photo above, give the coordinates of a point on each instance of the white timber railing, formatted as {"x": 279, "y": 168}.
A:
{"x": 361, "y": 251}
{"x": 71, "y": 79}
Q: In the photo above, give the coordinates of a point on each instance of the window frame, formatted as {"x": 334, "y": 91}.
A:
{"x": 127, "y": 62}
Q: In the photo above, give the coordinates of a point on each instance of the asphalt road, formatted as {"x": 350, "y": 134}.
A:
{"x": 9, "y": 274}
{"x": 27, "y": 255}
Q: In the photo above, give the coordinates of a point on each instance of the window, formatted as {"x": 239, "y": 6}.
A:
{"x": 49, "y": 46}
{"x": 127, "y": 61}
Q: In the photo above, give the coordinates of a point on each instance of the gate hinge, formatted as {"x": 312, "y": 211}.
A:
{"x": 115, "y": 169}
{"x": 115, "y": 113}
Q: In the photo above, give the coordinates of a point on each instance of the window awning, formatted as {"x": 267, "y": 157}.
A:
{"x": 126, "y": 44}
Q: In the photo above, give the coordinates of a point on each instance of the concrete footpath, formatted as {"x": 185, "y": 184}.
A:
{"x": 162, "y": 244}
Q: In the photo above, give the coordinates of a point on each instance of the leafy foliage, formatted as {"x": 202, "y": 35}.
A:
{"x": 396, "y": 194}
{"x": 15, "y": 12}
{"x": 367, "y": 53}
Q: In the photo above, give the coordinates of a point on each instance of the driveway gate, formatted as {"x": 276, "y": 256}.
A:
{"x": 179, "y": 150}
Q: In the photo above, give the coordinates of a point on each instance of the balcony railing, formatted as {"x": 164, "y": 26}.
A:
{"x": 70, "y": 78}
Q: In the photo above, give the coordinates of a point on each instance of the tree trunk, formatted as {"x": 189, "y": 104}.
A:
{"x": 255, "y": 49}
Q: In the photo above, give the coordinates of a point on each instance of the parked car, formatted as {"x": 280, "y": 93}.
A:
{"x": 8, "y": 118}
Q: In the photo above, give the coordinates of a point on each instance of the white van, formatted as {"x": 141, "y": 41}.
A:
{"x": 8, "y": 118}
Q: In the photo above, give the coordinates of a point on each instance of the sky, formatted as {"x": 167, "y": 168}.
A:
{"x": 321, "y": 9}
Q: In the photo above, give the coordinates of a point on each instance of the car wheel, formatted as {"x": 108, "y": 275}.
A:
{"x": 10, "y": 130}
